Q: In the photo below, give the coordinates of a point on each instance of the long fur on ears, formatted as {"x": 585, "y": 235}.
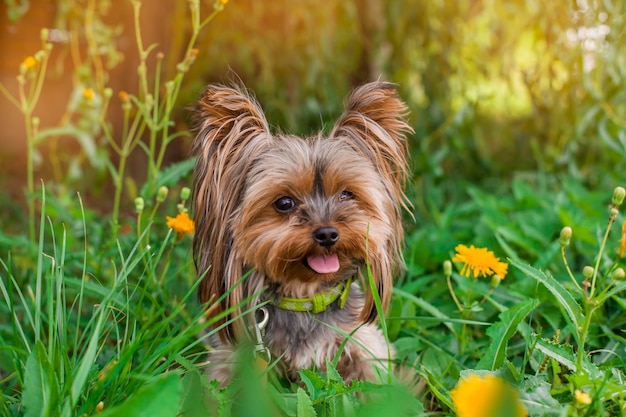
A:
{"x": 374, "y": 124}
{"x": 231, "y": 131}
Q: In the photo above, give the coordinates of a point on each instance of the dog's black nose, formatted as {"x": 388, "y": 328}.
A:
{"x": 326, "y": 236}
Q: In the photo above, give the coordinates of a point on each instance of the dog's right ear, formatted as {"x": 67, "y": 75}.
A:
{"x": 231, "y": 132}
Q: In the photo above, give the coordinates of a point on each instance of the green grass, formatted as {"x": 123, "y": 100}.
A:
{"x": 121, "y": 326}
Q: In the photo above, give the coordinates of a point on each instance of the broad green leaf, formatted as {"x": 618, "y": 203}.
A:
{"x": 87, "y": 361}
{"x": 40, "y": 384}
{"x": 564, "y": 354}
{"x": 305, "y": 407}
{"x": 535, "y": 395}
{"x": 500, "y": 333}
{"x": 565, "y": 299}
{"x": 193, "y": 401}
{"x": 158, "y": 399}
{"x": 170, "y": 175}
{"x": 313, "y": 382}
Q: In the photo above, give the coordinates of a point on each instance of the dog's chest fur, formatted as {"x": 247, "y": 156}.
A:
{"x": 306, "y": 340}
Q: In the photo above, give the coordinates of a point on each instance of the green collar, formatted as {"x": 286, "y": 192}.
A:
{"x": 319, "y": 302}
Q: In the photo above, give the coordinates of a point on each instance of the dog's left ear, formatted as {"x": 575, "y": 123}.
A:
{"x": 374, "y": 124}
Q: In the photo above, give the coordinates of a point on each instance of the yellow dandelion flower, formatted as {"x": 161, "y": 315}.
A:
{"x": 479, "y": 262}
{"x": 486, "y": 396}
{"x": 181, "y": 224}
{"x": 29, "y": 63}
{"x": 88, "y": 93}
{"x": 223, "y": 1}
{"x": 622, "y": 242}
{"x": 582, "y": 397}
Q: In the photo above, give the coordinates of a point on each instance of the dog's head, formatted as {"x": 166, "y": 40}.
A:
{"x": 303, "y": 213}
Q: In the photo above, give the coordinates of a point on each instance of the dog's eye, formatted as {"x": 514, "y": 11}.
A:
{"x": 345, "y": 195}
{"x": 284, "y": 204}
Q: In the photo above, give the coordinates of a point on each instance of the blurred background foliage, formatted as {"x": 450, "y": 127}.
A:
{"x": 494, "y": 87}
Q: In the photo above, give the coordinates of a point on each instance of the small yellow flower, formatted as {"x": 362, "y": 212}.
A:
{"x": 123, "y": 95}
{"x": 88, "y": 93}
{"x": 582, "y": 397}
{"x": 486, "y": 396}
{"x": 479, "y": 262}
{"x": 223, "y": 1}
{"x": 622, "y": 242}
{"x": 181, "y": 224}
{"x": 29, "y": 63}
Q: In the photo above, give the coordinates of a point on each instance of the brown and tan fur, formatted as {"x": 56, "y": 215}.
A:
{"x": 350, "y": 182}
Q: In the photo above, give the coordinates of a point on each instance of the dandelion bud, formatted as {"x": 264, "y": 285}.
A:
{"x": 141, "y": 70}
{"x": 149, "y": 100}
{"x": 100, "y": 407}
{"x": 35, "y": 121}
{"x": 218, "y": 6}
{"x": 39, "y": 55}
{"x": 108, "y": 92}
{"x": 162, "y": 194}
{"x": 618, "y": 274}
{"x": 169, "y": 86}
{"x": 495, "y": 280}
{"x": 181, "y": 208}
{"x": 613, "y": 212}
{"x": 588, "y": 272}
{"x": 447, "y": 268}
{"x": 44, "y": 34}
{"x": 565, "y": 236}
{"x": 139, "y": 204}
{"x": 185, "y": 193}
{"x": 618, "y": 196}
{"x": 160, "y": 55}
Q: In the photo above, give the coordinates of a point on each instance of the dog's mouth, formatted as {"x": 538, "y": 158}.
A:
{"x": 323, "y": 264}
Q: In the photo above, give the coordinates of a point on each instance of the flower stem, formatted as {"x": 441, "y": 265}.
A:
{"x": 600, "y": 252}
{"x": 453, "y": 294}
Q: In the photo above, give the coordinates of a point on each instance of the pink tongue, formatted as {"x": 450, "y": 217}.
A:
{"x": 324, "y": 264}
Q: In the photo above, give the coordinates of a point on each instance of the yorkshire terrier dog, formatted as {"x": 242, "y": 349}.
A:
{"x": 304, "y": 227}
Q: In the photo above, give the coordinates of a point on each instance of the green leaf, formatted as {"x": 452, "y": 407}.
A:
{"x": 40, "y": 384}
{"x": 158, "y": 399}
{"x": 304, "y": 407}
{"x": 500, "y": 333}
{"x": 170, "y": 175}
{"x": 565, "y": 299}
{"x": 535, "y": 394}
{"x": 564, "y": 355}
{"x": 86, "y": 363}
{"x": 193, "y": 402}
